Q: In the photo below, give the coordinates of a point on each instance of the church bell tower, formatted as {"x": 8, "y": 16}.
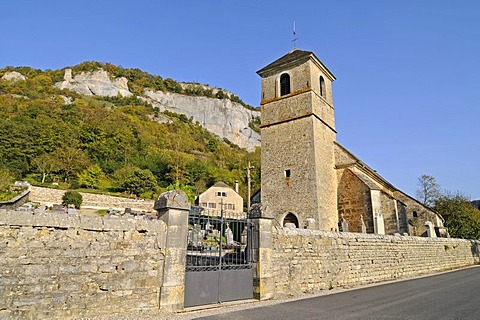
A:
{"x": 299, "y": 182}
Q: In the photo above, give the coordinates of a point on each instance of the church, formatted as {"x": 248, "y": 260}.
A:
{"x": 311, "y": 181}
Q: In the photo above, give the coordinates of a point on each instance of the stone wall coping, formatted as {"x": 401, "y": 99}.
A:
{"x": 291, "y": 232}
{"x": 16, "y": 202}
{"x": 75, "y": 221}
{"x": 16, "y": 199}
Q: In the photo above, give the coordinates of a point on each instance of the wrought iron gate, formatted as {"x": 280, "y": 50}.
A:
{"x": 218, "y": 267}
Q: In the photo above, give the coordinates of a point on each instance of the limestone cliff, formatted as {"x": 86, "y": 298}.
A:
{"x": 222, "y": 117}
{"x": 13, "y": 76}
{"x": 96, "y": 83}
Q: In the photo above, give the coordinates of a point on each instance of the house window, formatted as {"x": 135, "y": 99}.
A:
{"x": 322, "y": 86}
{"x": 203, "y": 204}
{"x": 415, "y": 214}
{"x": 212, "y": 205}
{"x": 284, "y": 84}
{"x": 221, "y": 194}
{"x": 287, "y": 173}
{"x": 230, "y": 206}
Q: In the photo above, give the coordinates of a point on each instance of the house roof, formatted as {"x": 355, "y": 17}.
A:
{"x": 221, "y": 185}
{"x": 295, "y": 56}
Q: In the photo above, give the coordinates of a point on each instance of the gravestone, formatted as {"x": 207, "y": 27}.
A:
{"x": 229, "y": 235}
{"x": 342, "y": 224}
{"x": 379, "y": 224}
{"x": 430, "y": 229}
{"x": 362, "y": 225}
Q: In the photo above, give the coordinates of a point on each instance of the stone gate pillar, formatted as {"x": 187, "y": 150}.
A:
{"x": 173, "y": 208}
{"x": 262, "y": 247}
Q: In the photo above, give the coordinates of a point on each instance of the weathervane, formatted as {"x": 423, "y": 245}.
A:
{"x": 294, "y": 36}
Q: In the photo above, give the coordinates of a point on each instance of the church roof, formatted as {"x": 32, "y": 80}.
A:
{"x": 295, "y": 56}
{"x": 364, "y": 167}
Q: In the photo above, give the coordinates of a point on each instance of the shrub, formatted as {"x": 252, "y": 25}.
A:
{"x": 72, "y": 197}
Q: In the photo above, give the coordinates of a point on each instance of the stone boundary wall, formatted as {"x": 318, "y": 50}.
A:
{"x": 15, "y": 202}
{"x": 47, "y": 195}
{"x": 306, "y": 261}
{"x": 70, "y": 266}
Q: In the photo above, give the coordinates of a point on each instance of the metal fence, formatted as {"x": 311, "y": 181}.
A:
{"x": 218, "y": 239}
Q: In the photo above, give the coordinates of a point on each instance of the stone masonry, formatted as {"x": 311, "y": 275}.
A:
{"x": 298, "y": 132}
{"x": 71, "y": 266}
{"x": 306, "y": 261}
{"x": 43, "y": 195}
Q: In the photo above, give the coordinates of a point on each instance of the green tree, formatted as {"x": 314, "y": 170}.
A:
{"x": 220, "y": 95}
{"x": 71, "y": 161}
{"x": 136, "y": 181}
{"x": 461, "y": 218}
{"x": 90, "y": 177}
{"x": 428, "y": 190}
{"x": 6, "y": 180}
{"x": 72, "y": 197}
{"x": 45, "y": 164}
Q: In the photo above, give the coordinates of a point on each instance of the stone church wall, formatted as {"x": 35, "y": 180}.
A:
{"x": 306, "y": 261}
{"x": 417, "y": 214}
{"x": 70, "y": 266}
{"x": 354, "y": 201}
{"x": 394, "y": 215}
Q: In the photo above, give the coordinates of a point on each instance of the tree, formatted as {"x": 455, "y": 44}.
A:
{"x": 45, "y": 164}
{"x": 90, "y": 177}
{"x": 136, "y": 181}
{"x": 72, "y": 197}
{"x": 428, "y": 190}
{"x": 461, "y": 218}
{"x": 71, "y": 161}
{"x": 6, "y": 180}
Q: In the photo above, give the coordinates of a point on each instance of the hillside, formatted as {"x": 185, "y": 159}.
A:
{"x": 217, "y": 110}
{"x": 103, "y": 127}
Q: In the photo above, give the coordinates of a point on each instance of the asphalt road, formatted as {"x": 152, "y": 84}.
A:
{"x": 453, "y": 295}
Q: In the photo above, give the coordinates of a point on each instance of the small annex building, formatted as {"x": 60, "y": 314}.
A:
{"x": 308, "y": 178}
{"x": 368, "y": 203}
{"x": 220, "y": 194}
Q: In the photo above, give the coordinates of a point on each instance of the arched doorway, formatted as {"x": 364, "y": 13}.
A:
{"x": 290, "y": 218}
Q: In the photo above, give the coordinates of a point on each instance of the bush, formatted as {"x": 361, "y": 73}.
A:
{"x": 72, "y": 197}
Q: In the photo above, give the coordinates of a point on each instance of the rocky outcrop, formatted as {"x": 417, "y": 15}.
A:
{"x": 13, "y": 76}
{"x": 222, "y": 117}
{"x": 96, "y": 83}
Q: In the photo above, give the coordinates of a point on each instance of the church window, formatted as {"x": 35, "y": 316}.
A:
{"x": 415, "y": 214}
{"x": 284, "y": 84}
{"x": 290, "y": 218}
{"x": 287, "y": 178}
{"x": 322, "y": 87}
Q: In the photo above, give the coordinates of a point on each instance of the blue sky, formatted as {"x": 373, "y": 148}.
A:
{"x": 408, "y": 74}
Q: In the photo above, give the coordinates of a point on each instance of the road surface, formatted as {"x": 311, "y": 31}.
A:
{"x": 453, "y": 295}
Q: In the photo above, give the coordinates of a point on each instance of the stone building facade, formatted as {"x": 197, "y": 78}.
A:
{"x": 218, "y": 195}
{"x": 309, "y": 179}
{"x": 298, "y": 131}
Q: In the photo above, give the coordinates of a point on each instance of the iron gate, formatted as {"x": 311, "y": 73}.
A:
{"x": 218, "y": 267}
